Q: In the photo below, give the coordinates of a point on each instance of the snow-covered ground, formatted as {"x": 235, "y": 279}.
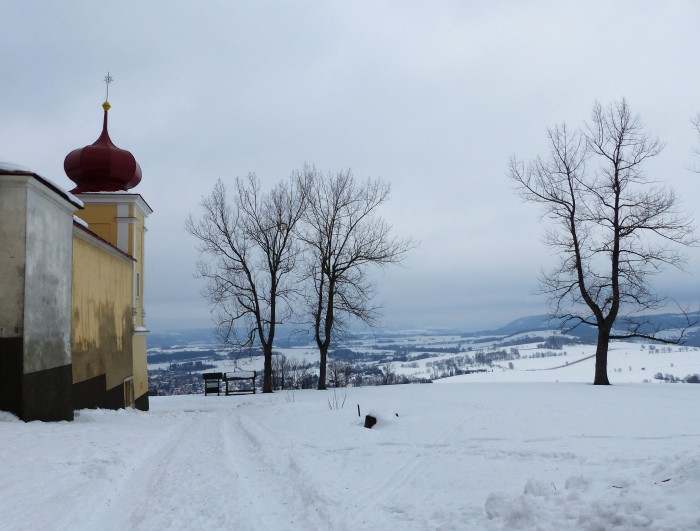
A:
{"x": 459, "y": 456}
{"x": 627, "y": 363}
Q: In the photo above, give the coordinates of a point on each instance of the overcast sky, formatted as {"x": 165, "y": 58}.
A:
{"x": 431, "y": 96}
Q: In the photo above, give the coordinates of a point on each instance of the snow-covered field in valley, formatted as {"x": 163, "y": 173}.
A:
{"x": 462, "y": 455}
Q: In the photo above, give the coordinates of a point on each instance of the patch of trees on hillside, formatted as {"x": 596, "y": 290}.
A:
{"x": 182, "y": 355}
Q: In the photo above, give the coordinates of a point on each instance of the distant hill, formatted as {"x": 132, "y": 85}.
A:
{"x": 650, "y": 323}
{"x": 166, "y": 339}
{"x": 288, "y": 335}
{"x": 285, "y": 336}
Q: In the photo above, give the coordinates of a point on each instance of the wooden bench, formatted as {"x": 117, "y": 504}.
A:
{"x": 238, "y": 376}
{"x": 212, "y": 382}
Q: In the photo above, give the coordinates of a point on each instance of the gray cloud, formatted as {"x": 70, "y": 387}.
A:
{"x": 432, "y": 96}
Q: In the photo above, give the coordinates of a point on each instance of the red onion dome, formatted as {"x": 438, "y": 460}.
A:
{"x": 102, "y": 166}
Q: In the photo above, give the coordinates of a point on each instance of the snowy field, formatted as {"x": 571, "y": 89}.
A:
{"x": 460, "y": 456}
{"x": 628, "y": 362}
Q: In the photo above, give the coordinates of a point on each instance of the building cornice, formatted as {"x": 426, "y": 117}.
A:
{"x": 116, "y": 197}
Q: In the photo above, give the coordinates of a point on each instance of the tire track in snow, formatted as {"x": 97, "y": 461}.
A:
{"x": 102, "y": 506}
{"x": 278, "y": 475}
{"x": 197, "y": 496}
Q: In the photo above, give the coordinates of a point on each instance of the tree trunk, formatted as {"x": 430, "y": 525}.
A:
{"x": 323, "y": 349}
{"x": 601, "y": 358}
{"x": 267, "y": 372}
{"x": 327, "y": 330}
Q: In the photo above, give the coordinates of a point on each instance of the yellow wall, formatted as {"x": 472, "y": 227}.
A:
{"x": 140, "y": 366}
{"x": 121, "y": 222}
{"x": 102, "y": 313}
{"x": 101, "y": 220}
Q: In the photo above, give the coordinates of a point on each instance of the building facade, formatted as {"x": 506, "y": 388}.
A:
{"x": 72, "y": 315}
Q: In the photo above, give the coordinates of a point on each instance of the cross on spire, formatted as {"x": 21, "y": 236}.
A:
{"x": 108, "y": 80}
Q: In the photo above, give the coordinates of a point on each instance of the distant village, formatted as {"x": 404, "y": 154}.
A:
{"x": 180, "y": 372}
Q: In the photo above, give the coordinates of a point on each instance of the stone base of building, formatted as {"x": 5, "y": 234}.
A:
{"x": 141, "y": 402}
{"x": 93, "y": 394}
{"x": 11, "y": 375}
{"x": 41, "y": 395}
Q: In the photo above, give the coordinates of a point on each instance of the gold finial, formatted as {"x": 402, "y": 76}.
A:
{"x": 108, "y": 80}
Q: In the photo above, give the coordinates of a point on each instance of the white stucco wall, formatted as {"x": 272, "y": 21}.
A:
{"x": 36, "y": 248}
{"x": 48, "y": 278}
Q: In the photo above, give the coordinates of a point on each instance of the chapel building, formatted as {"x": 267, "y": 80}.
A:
{"x": 72, "y": 317}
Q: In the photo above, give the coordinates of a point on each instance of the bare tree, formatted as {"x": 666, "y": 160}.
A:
{"x": 388, "y": 373}
{"x": 252, "y": 250}
{"x": 303, "y": 375}
{"x": 290, "y": 373}
{"x": 344, "y": 235}
{"x": 695, "y": 120}
{"x": 281, "y": 369}
{"x": 340, "y": 372}
{"x": 614, "y": 227}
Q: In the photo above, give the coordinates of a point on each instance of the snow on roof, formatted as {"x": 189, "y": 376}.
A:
{"x": 80, "y": 222}
{"x": 7, "y": 168}
{"x": 12, "y": 167}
